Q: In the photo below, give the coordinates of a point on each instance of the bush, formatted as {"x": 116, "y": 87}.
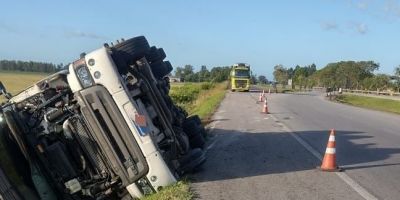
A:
{"x": 185, "y": 94}
{"x": 206, "y": 86}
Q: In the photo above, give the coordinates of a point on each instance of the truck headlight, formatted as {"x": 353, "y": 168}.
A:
{"x": 84, "y": 76}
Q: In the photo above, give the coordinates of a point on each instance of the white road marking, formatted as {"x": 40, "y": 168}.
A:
{"x": 212, "y": 144}
{"x": 211, "y": 128}
{"x": 357, "y": 187}
{"x": 353, "y": 184}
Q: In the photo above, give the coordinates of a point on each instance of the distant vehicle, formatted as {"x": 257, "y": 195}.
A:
{"x": 240, "y": 77}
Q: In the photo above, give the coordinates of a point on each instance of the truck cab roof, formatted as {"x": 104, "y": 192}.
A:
{"x": 241, "y": 65}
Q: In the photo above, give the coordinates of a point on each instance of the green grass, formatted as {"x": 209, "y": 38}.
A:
{"x": 208, "y": 101}
{"x": 179, "y": 191}
{"x": 387, "y": 105}
{"x": 198, "y": 98}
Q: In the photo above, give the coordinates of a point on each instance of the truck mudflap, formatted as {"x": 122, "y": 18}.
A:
{"x": 112, "y": 134}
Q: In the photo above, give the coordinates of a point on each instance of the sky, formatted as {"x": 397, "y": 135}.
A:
{"x": 212, "y": 33}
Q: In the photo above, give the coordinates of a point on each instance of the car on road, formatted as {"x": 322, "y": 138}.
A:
{"x": 104, "y": 128}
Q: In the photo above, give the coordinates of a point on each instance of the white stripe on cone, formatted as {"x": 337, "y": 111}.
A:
{"x": 331, "y": 138}
{"x": 330, "y": 150}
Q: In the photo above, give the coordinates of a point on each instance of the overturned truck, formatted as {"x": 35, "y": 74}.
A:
{"x": 105, "y": 128}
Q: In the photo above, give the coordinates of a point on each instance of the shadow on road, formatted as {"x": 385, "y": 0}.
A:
{"x": 247, "y": 154}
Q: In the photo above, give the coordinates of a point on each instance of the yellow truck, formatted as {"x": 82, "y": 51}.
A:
{"x": 240, "y": 77}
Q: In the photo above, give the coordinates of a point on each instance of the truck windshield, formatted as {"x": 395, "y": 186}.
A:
{"x": 242, "y": 73}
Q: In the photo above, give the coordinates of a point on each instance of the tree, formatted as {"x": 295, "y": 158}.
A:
{"x": 345, "y": 74}
{"x": 219, "y": 74}
{"x": 29, "y": 66}
{"x": 397, "y": 71}
{"x": 397, "y": 74}
{"x": 382, "y": 81}
{"x": 187, "y": 70}
{"x": 281, "y": 75}
{"x": 290, "y": 72}
{"x": 253, "y": 78}
{"x": 262, "y": 79}
{"x": 204, "y": 74}
{"x": 179, "y": 72}
{"x": 300, "y": 76}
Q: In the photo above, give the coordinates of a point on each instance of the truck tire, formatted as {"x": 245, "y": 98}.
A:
{"x": 197, "y": 141}
{"x": 195, "y": 118}
{"x": 162, "y": 54}
{"x": 183, "y": 140}
{"x": 192, "y": 161}
{"x": 155, "y": 54}
{"x": 160, "y": 69}
{"x": 132, "y": 49}
{"x": 169, "y": 67}
{"x": 203, "y": 131}
{"x": 189, "y": 127}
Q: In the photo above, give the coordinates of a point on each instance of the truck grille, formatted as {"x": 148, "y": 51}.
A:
{"x": 240, "y": 83}
{"x": 88, "y": 144}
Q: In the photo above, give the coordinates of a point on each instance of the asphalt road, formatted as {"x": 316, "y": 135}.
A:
{"x": 257, "y": 156}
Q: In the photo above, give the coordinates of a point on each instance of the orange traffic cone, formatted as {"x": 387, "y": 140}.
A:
{"x": 260, "y": 99}
{"x": 269, "y": 91}
{"x": 329, "y": 161}
{"x": 265, "y": 108}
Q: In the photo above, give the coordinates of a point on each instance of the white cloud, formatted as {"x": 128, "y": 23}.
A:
{"x": 81, "y": 34}
{"x": 329, "y": 26}
{"x": 360, "y": 28}
{"x": 362, "y": 5}
{"x": 392, "y": 8}
{"x": 8, "y": 28}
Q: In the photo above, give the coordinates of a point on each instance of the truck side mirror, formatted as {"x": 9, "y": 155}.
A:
{"x": 4, "y": 92}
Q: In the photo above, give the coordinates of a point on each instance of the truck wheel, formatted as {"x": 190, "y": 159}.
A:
{"x": 189, "y": 127}
{"x": 160, "y": 69}
{"x": 155, "y": 54}
{"x": 192, "y": 161}
{"x": 197, "y": 141}
{"x": 183, "y": 140}
{"x": 132, "y": 49}
{"x": 195, "y": 118}
{"x": 203, "y": 131}
{"x": 168, "y": 66}
{"x": 162, "y": 54}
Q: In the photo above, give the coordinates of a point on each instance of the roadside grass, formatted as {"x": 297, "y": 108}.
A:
{"x": 17, "y": 81}
{"x": 208, "y": 101}
{"x": 387, "y": 105}
{"x": 199, "y": 98}
{"x": 178, "y": 191}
